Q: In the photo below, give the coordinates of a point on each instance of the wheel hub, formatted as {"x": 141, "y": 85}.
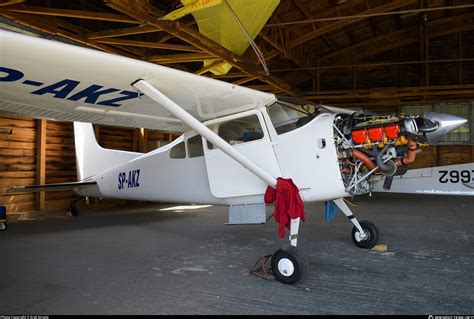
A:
{"x": 286, "y": 267}
{"x": 362, "y": 237}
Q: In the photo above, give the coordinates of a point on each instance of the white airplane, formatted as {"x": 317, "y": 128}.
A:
{"x": 236, "y": 141}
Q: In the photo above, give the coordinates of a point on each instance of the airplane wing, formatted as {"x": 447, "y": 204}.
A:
{"x": 440, "y": 180}
{"x": 41, "y": 78}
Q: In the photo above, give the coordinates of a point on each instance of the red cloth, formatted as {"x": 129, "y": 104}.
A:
{"x": 288, "y": 204}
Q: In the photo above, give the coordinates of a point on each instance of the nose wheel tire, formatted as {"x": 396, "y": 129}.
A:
{"x": 372, "y": 235}
{"x": 287, "y": 266}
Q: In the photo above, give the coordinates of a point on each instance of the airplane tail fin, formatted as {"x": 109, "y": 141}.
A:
{"x": 91, "y": 158}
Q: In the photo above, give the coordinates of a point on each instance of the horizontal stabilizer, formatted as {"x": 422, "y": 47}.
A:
{"x": 53, "y": 187}
{"x": 439, "y": 180}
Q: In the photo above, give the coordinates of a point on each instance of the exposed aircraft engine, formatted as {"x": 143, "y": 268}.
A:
{"x": 372, "y": 146}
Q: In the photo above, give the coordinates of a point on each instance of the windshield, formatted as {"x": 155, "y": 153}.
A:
{"x": 289, "y": 113}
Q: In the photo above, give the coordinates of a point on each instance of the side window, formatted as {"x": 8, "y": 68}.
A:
{"x": 178, "y": 151}
{"x": 195, "y": 146}
{"x": 241, "y": 130}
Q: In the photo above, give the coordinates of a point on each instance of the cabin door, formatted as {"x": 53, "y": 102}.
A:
{"x": 247, "y": 133}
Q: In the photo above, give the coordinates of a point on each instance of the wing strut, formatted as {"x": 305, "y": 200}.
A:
{"x": 155, "y": 94}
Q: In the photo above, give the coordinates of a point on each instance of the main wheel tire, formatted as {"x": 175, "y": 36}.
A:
{"x": 75, "y": 211}
{"x": 372, "y": 235}
{"x": 287, "y": 266}
{"x": 3, "y": 226}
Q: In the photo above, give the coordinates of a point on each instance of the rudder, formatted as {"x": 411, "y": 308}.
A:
{"x": 91, "y": 158}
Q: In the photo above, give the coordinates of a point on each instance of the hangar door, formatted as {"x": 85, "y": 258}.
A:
{"x": 247, "y": 133}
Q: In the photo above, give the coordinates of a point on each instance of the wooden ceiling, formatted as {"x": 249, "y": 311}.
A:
{"x": 345, "y": 52}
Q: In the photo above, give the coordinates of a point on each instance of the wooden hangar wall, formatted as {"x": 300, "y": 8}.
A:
{"x": 39, "y": 151}
{"x": 376, "y": 59}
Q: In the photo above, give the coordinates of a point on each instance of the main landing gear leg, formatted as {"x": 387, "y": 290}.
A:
{"x": 287, "y": 266}
{"x": 364, "y": 234}
{"x": 74, "y": 210}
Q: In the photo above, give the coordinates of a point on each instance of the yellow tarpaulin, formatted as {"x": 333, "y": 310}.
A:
{"x": 216, "y": 21}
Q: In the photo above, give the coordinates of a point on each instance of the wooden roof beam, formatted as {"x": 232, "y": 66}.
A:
{"x": 143, "y": 11}
{"x": 59, "y": 27}
{"x": 122, "y": 32}
{"x": 146, "y": 44}
{"x": 391, "y": 93}
{"x": 178, "y": 58}
{"x": 4, "y": 3}
{"x": 344, "y": 22}
{"x": 79, "y": 14}
{"x": 399, "y": 38}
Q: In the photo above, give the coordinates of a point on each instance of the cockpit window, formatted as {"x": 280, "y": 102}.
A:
{"x": 287, "y": 116}
{"x": 178, "y": 151}
{"x": 241, "y": 130}
{"x": 195, "y": 146}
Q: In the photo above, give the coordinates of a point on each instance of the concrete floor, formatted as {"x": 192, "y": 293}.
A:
{"x": 141, "y": 260}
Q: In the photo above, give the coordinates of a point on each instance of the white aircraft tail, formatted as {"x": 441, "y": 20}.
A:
{"x": 91, "y": 158}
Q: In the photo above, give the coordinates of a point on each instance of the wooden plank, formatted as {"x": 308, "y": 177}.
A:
{"x": 9, "y": 182}
{"x": 20, "y": 207}
{"x": 15, "y": 131}
{"x": 17, "y": 152}
{"x": 15, "y": 199}
{"x": 17, "y": 160}
{"x": 18, "y": 138}
{"x": 17, "y": 145}
{"x": 57, "y": 204}
{"x": 6, "y": 122}
{"x": 455, "y": 154}
{"x": 50, "y": 196}
{"x": 16, "y": 175}
{"x": 41, "y": 165}
{"x": 17, "y": 167}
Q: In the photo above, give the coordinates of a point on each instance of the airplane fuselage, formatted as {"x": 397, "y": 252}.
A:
{"x": 214, "y": 178}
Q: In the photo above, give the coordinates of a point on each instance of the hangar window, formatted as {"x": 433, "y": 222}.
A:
{"x": 459, "y": 135}
{"x": 195, "y": 146}
{"x": 178, "y": 151}
{"x": 241, "y": 130}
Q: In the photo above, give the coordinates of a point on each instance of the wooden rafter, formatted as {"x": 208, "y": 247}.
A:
{"x": 392, "y": 93}
{"x": 4, "y": 3}
{"x": 178, "y": 58}
{"x": 121, "y": 32}
{"x": 344, "y": 22}
{"x": 146, "y": 44}
{"x": 400, "y": 38}
{"x": 206, "y": 69}
{"x": 79, "y": 14}
{"x": 59, "y": 27}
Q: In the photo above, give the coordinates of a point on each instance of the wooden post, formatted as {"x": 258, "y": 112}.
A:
{"x": 41, "y": 162}
{"x": 97, "y": 132}
{"x": 435, "y": 156}
{"x": 142, "y": 140}
{"x": 460, "y": 57}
